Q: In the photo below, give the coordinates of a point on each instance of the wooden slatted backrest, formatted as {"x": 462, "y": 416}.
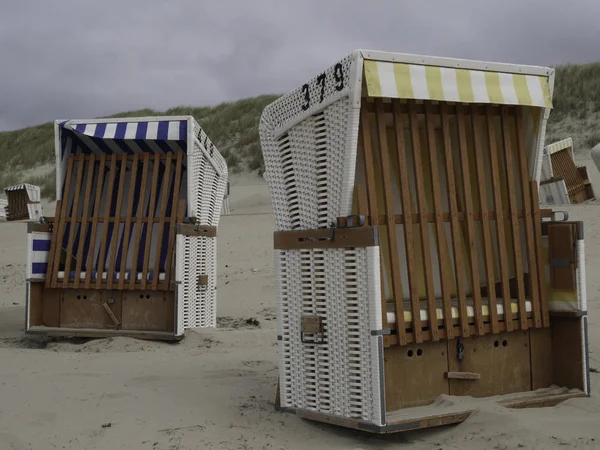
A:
{"x": 449, "y": 186}
{"x": 116, "y": 222}
{"x": 17, "y": 204}
{"x": 564, "y": 167}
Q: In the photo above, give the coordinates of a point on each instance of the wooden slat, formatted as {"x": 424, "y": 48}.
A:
{"x": 116, "y": 228}
{"x": 537, "y": 223}
{"x": 153, "y": 191}
{"x": 471, "y": 322}
{"x": 121, "y": 219}
{"x": 485, "y": 221}
{"x": 361, "y": 200}
{"x": 564, "y": 167}
{"x": 318, "y": 238}
{"x": 111, "y": 313}
{"x": 82, "y": 217}
{"x": 446, "y": 217}
{"x": 406, "y": 199}
{"x": 51, "y": 254}
{"x": 180, "y": 210}
{"x": 138, "y": 221}
{"x": 384, "y": 159}
{"x": 444, "y": 262}
{"x": 85, "y": 212}
{"x": 128, "y": 220}
{"x": 162, "y": 212}
{"x": 532, "y": 260}
{"x": 95, "y": 215}
{"x": 420, "y": 107}
{"x": 100, "y": 333}
{"x": 174, "y": 214}
{"x": 365, "y": 131}
{"x": 471, "y": 236}
{"x": 191, "y": 229}
{"x": 463, "y": 376}
{"x": 496, "y": 186}
{"x": 60, "y": 226}
{"x": 398, "y": 218}
{"x": 162, "y": 286}
{"x": 423, "y": 226}
{"x": 393, "y": 339}
{"x": 454, "y": 223}
{"x": 112, "y": 172}
{"x": 130, "y": 157}
{"x": 510, "y": 180}
{"x": 74, "y": 212}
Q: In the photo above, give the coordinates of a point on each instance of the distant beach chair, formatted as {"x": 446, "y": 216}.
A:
{"x": 23, "y": 202}
{"x": 563, "y": 182}
{"x": 3, "y": 205}
{"x": 132, "y": 248}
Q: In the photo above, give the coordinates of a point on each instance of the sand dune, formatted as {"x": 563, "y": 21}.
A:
{"x": 215, "y": 389}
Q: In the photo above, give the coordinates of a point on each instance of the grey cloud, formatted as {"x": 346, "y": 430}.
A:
{"x": 73, "y": 59}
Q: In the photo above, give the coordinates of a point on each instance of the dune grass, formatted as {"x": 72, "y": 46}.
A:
{"x": 576, "y": 111}
{"x": 233, "y": 127}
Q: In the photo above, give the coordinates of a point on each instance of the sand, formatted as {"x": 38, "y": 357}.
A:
{"x": 215, "y": 389}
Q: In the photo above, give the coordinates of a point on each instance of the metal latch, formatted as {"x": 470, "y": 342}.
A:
{"x": 460, "y": 349}
{"x": 331, "y": 231}
{"x": 313, "y": 325}
{"x": 202, "y": 280}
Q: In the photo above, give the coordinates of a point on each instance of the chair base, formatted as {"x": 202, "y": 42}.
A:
{"x": 95, "y": 333}
{"x": 446, "y": 410}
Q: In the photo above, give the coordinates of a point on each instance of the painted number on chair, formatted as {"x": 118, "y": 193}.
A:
{"x": 321, "y": 82}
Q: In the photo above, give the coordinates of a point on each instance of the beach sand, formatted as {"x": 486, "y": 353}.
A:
{"x": 215, "y": 389}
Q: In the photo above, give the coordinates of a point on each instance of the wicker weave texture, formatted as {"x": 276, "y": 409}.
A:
{"x": 196, "y": 256}
{"x": 340, "y": 376}
{"x": 208, "y": 179}
{"x": 310, "y": 168}
{"x": 309, "y": 139}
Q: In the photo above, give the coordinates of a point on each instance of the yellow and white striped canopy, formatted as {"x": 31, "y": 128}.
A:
{"x": 412, "y": 81}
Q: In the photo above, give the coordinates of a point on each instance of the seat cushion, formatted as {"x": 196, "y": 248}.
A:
{"x": 391, "y": 314}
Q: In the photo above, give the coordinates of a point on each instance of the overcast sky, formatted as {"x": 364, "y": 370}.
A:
{"x": 83, "y": 59}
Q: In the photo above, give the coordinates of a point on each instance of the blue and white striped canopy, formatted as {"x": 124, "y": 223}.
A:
{"x": 156, "y": 135}
{"x": 160, "y": 135}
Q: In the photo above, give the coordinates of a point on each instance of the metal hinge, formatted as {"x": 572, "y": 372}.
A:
{"x": 351, "y": 221}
